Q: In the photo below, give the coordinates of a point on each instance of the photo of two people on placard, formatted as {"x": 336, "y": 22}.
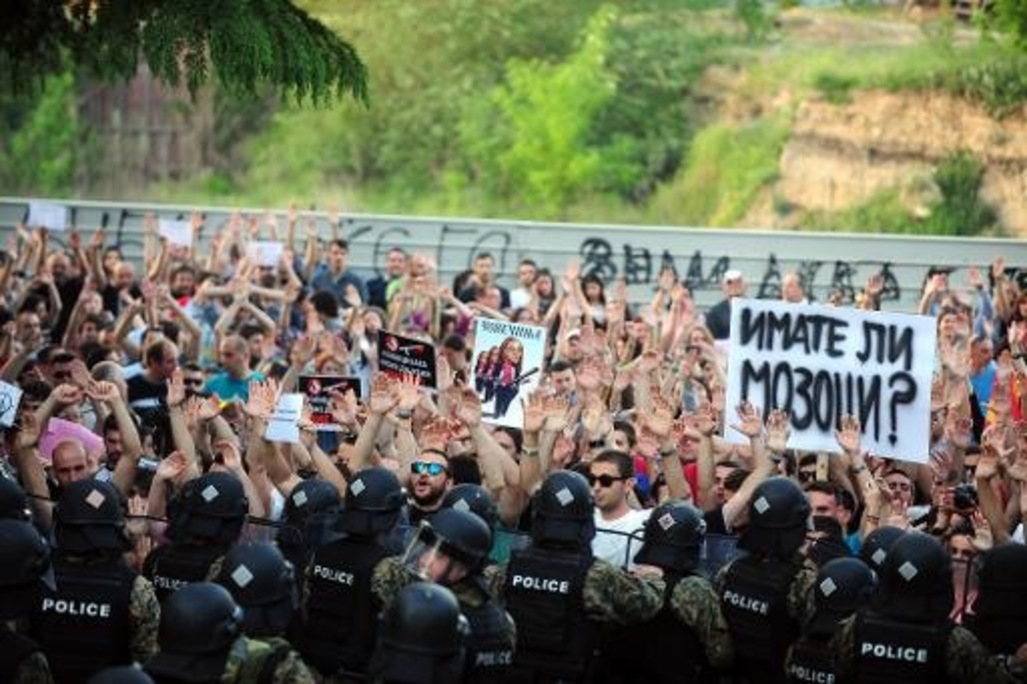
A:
{"x": 506, "y": 366}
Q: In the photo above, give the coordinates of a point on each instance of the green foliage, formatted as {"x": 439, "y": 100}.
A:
{"x": 244, "y": 42}
{"x": 834, "y": 87}
{"x": 753, "y": 15}
{"x": 959, "y": 212}
{"x": 42, "y": 154}
{"x": 726, "y": 169}
{"x": 1000, "y": 84}
{"x": 1012, "y": 17}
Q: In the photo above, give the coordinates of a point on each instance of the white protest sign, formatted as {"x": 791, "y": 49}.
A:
{"x": 10, "y": 399}
{"x": 283, "y": 426}
{"x": 821, "y": 363}
{"x": 177, "y": 232}
{"x": 264, "y": 252}
{"x": 48, "y": 215}
{"x": 505, "y": 368}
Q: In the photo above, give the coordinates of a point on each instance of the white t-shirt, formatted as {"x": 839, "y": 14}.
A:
{"x": 613, "y": 546}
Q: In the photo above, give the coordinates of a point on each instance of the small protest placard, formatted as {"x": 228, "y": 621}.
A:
{"x": 284, "y": 424}
{"x": 821, "y": 363}
{"x": 398, "y": 355}
{"x": 48, "y": 215}
{"x": 318, "y": 390}
{"x": 506, "y": 364}
{"x": 265, "y": 252}
{"x": 10, "y": 399}
{"x": 177, "y": 232}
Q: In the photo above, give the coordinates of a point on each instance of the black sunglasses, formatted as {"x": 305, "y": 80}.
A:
{"x": 604, "y": 480}
{"x": 422, "y": 467}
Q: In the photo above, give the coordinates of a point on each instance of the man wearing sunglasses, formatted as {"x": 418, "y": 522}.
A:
{"x": 429, "y": 481}
{"x": 618, "y": 526}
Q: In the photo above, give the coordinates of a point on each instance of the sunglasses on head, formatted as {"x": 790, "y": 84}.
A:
{"x": 604, "y": 480}
{"x": 423, "y": 467}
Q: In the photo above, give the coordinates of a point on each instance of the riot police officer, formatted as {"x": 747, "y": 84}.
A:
{"x": 690, "y": 624}
{"x": 475, "y": 499}
{"x": 201, "y": 641}
{"x": 843, "y": 586}
{"x": 307, "y": 518}
{"x": 764, "y": 594}
{"x": 24, "y": 561}
{"x": 559, "y": 594}
{"x": 206, "y": 518}
{"x": 122, "y": 674}
{"x": 421, "y": 639}
{"x": 338, "y": 617}
{"x": 14, "y": 503}
{"x": 262, "y": 582}
{"x": 451, "y": 549}
{"x": 102, "y": 612}
{"x": 905, "y": 634}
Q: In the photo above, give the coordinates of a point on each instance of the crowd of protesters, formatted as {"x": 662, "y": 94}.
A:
{"x": 150, "y": 378}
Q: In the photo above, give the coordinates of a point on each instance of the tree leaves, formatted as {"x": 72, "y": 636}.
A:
{"x": 244, "y": 43}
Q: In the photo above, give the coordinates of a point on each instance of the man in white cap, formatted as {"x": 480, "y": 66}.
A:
{"x": 718, "y": 318}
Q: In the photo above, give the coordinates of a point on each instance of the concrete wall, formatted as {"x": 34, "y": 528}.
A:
{"x": 827, "y": 261}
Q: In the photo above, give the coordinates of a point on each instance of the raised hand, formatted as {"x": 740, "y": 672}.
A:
{"x": 595, "y": 419}
{"x": 229, "y": 452}
{"x": 344, "y": 407}
{"x": 706, "y": 419}
{"x": 534, "y": 412}
{"x": 262, "y": 399}
{"x": 435, "y": 434}
{"x": 208, "y": 408}
{"x": 107, "y": 392}
{"x": 958, "y": 428}
{"x": 67, "y": 394}
{"x": 408, "y": 392}
{"x": 660, "y": 419}
{"x": 468, "y": 409}
{"x": 750, "y": 424}
{"x": 983, "y": 539}
{"x": 176, "y": 388}
{"x": 779, "y": 427}
{"x": 303, "y": 349}
{"x": 557, "y": 410}
{"x": 848, "y": 437}
{"x": 171, "y": 468}
{"x": 589, "y": 373}
{"x": 383, "y": 397}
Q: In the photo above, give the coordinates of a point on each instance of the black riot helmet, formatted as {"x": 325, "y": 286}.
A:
{"x": 916, "y": 580}
{"x": 310, "y": 510}
{"x": 458, "y": 535}
{"x": 374, "y": 500}
{"x": 778, "y": 519}
{"x": 562, "y": 510}
{"x": 211, "y": 507}
{"x": 877, "y": 545}
{"x": 14, "y": 502}
{"x": 88, "y": 518}
{"x": 24, "y": 563}
{"x": 473, "y": 498}
{"x": 843, "y": 586}
{"x": 1000, "y": 611}
{"x": 198, "y": 625}
{"x": 673, "y": 538}
{"x": 263, "y": 583}
{"x": 421, "y": 638}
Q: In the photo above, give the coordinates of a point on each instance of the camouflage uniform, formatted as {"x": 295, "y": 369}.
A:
{"x": 696, "y": 605}
{"x": 966, "y": 660}
{"x": 144, "y": 613}
{"x": 611, "y": 595}
{"x": 248, "y": 657}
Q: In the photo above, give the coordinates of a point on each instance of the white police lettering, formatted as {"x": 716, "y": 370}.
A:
{"x": 333, "y": 575}
{"x": 494, "y": 658}
{"x": 806, "y": 674}
{"x": 86, "y": 608}
{"x": 161, "y": 582}
{"x": 908, "y": 654}
{"x": 746, "y": 603}
{"x": 542, "y": 584}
